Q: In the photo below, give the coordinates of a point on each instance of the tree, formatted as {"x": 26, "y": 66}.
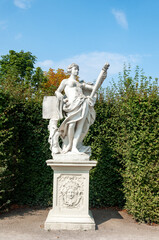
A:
{"x": 54, "y": 80}
{"x": 18, "y": 76}
{"x": 38, "y": 78}
{"x": 18, "y": 67}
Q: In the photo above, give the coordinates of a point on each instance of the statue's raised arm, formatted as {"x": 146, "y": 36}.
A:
{"x": 100, "y": 79}
{"x": 75, "y": 102}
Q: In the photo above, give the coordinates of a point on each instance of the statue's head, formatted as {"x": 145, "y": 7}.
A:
{"x": 70, "y": 67}
{"x": 70, "y": 193}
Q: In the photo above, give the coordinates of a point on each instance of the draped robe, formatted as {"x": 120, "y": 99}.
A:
{"x": 73, "y": 113}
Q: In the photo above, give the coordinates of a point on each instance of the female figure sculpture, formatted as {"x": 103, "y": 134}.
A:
{"x": 77, "y": 108}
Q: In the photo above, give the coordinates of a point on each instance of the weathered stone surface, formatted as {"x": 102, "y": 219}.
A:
{"x": 70, "y": 157}
{"x": 50, "y": 108}
{"x": 74, "y": 104}
{"x": 70, "y": 194}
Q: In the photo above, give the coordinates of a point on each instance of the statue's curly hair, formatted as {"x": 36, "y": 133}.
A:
{"x": 71, "y": 66}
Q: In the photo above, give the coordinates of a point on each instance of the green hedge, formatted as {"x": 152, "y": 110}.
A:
{"x": 24, "y": 150}
{"x": 105, "y": 178}
{"x": 7, "y": 184}
{"x": 34, "y": 177}
{"x": 124, "y": 141}
{"x": 141, "y": 158}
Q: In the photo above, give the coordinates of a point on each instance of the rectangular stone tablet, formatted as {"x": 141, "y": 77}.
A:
{"x": 49, "y": 108}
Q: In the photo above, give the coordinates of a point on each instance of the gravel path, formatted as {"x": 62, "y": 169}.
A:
{"x": 28, "y": 224}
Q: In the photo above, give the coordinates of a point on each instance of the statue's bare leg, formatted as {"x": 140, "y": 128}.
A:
{"x": 71, "y": 130}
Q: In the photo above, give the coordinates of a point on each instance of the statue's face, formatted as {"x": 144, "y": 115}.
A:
{"x": 75, "y": 71}
{"x": 70, "y": 193}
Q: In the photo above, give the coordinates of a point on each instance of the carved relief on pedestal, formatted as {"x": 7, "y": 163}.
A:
{"x": 70, "y": 191}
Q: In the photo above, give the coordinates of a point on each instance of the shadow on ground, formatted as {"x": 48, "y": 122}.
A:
{"x": 104, "y": 215}
{"x": 100, "y": 215}
{"x": 21, "y": 211}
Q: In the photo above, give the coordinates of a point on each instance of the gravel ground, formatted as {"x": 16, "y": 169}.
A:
{"x": 28, "y": 224}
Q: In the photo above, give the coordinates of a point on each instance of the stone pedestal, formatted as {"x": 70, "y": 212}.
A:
{"x": 70, "y": 193}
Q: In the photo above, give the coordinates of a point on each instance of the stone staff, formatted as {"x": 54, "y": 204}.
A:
{"x": 100, "y": 79}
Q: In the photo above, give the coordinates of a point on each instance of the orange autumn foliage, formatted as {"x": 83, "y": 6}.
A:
{"x": 55, "y": 78}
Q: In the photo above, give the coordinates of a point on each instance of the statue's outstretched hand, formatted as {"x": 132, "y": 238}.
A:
{"x": 106, "y": 66}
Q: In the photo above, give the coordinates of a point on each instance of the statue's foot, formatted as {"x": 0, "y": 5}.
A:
{"x": 67, "y": 149}
{"x": 75, "y": 150}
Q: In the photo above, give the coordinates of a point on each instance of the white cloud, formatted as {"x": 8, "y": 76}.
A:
{"x": 3, "y": 25}
{"x": 91, "y": 64}
{"x": 120, "y": 18}
{"x": 46, "y": 64}
{"x": 24, "y": 4}
{"x": 18, "y": 36}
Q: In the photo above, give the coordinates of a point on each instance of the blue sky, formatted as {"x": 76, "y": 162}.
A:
{"x": 87, "y": 32}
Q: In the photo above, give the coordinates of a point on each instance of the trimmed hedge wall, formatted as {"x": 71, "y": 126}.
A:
{"x": 141, "y": 159}
{"x": 28, "y": 150}
{"x": 105, "y": 178}
{"x": 124, "y": 141}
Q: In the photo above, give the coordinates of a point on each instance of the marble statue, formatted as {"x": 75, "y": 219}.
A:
{"x": 74, "y": 104}
{"x": 71, "y": 113}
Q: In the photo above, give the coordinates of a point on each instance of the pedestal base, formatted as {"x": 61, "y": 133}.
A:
{"x": 54, "y": 222}
{"x": 70, "y": 193}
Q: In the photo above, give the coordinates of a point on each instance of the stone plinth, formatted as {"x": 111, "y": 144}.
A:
{"x": 70, "y": 193}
